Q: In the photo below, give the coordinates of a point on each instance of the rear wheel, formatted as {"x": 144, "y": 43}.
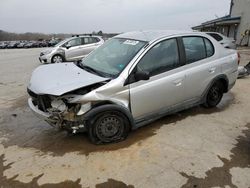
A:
{"x": 214, "y": 95}
{"x": 57, "y": 59}
{"x": 108, "y": 127}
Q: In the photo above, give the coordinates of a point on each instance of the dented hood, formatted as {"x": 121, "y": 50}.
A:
{"x": 60, "y": 78}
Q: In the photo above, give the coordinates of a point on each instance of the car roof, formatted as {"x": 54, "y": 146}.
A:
{"x": 84, "y": 36}
{"x": 152, "y": 35}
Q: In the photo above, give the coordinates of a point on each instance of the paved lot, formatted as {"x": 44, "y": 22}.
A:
{"x": 194, "y": 148}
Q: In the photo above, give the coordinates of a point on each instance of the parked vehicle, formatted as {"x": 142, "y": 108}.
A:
{"x": 132, "y": 80}
{"x": 42, "y": 44}
{"x": 21, "y": 45}
{"x": 3, "y": 45}
{"x": 12, "y": 44}
{"x": 71, "y": 49}
{"x": 36, "y": 44}
{"x": 29, "y": 45}
{"x": 222, "y": 39}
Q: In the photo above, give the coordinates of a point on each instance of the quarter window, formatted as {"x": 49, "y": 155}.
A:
{"x": 209, "y": 47}
{"x": 194, "y": 48}
{"x": 161, "y": 58}
{"x": 95, "y": 39}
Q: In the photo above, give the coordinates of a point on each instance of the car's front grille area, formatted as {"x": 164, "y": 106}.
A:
{"x": 42, "y": 101}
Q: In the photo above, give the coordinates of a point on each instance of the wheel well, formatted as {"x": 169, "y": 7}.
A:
{"x": 58, "y": 55}
{"x": 224, "y": 83}
{"x": 102, "y": 103}
{"x": 221, "y": 78}
{"x": 107, "y": 106}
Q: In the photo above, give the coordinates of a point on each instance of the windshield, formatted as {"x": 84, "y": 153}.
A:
{"x": 113, "y": 56}
{"x": 60, "y": 43}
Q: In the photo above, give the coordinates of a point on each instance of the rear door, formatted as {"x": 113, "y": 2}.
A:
{"x": 89, "y": 44}
{"x": 165, "y": 87}
{"x": 201, "y": 67}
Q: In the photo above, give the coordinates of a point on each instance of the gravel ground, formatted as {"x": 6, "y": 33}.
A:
{"x": 193, "y": 148}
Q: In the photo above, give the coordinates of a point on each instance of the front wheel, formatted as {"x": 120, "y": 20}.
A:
{"x": 57, "y": 59}
{"x": 214, "y": 95}
{"x": 108, "y": 127}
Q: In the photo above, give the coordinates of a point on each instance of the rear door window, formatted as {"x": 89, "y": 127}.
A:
{"x": 89, "y": 40}
{"x": 194, "y": 48}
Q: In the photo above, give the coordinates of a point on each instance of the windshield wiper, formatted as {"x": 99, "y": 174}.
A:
{"x": 90, "y": 69}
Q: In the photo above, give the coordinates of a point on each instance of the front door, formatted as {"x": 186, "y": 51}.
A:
{"x": 73, "y": 49}
{"x": 165, "y": 88}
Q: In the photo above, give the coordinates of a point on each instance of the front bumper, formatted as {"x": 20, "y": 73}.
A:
{"x": 46, "y": 58}
{"x": 54, "y": 121}
{"x": 40, "y": 114}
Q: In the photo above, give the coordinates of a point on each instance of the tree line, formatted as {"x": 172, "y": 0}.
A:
{"x": 10, "y": 36}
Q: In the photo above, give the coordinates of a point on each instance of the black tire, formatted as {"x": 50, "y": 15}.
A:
{"x": 214, "y": 95}
{"x": 57, "y": 59}
{"x": 108, "y": 127}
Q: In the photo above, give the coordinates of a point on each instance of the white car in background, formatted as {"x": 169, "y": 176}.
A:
{"x": 71, "y": 49}
{"x": 223, "y": 40}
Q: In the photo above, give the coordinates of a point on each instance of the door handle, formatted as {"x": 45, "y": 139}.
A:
{"x": 178, "y": 82}
{"x": 212, "y": 70}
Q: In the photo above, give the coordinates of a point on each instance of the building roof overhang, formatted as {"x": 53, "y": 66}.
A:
{"x": 226, "y": 20}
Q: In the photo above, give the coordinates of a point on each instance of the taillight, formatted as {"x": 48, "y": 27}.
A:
{"x": 238, "y": 58}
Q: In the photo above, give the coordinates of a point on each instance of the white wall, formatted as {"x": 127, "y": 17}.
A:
{"x": 242, "y": 8}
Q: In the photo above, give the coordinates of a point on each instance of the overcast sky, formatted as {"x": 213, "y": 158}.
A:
{"x": 81, "y": 16}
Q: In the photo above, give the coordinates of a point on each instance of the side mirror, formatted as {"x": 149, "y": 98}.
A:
{"x": 68, "y": 46}
{"x": 79, "y": 61}
{"x": 136, "y": 76}
{"x": 141, "y": 75}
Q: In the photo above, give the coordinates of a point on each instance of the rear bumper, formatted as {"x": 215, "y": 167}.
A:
{"x": 232, "y": 79}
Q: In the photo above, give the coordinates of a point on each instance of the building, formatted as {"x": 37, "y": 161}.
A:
{"x": 235, "y": 25}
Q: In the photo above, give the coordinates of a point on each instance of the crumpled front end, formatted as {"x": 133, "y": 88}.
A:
{"x": 63, "y": 94}
{"x": 57, "y": 111}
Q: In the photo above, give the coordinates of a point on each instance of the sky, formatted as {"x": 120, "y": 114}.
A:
{"x": 110, "y": 16}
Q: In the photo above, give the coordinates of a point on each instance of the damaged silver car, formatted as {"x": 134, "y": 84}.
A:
{"x": 132, "y": 80}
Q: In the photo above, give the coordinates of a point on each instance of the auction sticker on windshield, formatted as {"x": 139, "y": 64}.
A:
{"x": 131, "y": 42}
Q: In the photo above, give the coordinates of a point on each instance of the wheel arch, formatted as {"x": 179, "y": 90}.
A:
{"x": 58, "y": 54}
{"x": 109, "y": 106}
{"x": 221, "y": 78}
